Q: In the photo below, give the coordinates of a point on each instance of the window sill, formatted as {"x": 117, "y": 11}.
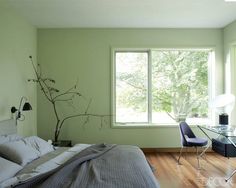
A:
{"x": 146, "y": 126}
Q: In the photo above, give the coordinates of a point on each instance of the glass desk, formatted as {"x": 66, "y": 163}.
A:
{"x": 228, "y": 132}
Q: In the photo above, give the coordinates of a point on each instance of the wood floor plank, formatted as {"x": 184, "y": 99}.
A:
{"x": 214, "y": 169}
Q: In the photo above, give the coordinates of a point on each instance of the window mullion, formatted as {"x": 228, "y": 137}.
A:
{"x": 149, "y": 87}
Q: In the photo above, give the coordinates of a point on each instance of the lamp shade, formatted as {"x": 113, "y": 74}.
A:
{"x": 27, "y": 107}
{"x": 223, "y": 103}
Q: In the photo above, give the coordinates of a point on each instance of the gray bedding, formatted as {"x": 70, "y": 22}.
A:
{"x": 99, "y": 166}
{"x": 34, "y": 164}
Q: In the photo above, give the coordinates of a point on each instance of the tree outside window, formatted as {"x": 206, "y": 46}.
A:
{"x": 161, "y": 86}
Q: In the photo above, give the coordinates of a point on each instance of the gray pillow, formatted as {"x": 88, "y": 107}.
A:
{"x": 8, "y": 169}
{"x": 18, "y": 152}
{"x": 39, "y": 145}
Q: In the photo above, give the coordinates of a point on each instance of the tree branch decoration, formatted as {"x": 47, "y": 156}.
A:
{"x": 53, "y": 95}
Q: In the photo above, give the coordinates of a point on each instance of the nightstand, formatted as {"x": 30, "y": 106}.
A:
{"x": 62, "y": 143}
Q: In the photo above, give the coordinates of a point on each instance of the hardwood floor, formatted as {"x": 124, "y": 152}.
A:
{"x": 214, "y": 169}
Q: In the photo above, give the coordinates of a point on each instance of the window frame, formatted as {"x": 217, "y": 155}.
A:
{"x": 149, "y": 124}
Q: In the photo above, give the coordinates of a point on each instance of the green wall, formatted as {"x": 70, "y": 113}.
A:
{"x": 230, "y": 61}
{"x": 18, "y": 40}
{"x": 68, "y": 54}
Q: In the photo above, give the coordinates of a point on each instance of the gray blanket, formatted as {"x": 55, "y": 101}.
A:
{"x": 100, "y": 166}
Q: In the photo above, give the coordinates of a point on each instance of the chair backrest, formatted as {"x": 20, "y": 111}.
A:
{"x": 185, "y": 130}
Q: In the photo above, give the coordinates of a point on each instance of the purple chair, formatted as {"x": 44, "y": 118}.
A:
{"x": 188, "y": 139}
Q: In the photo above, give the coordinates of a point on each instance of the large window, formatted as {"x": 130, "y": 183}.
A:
{"x": 161, "y": 86}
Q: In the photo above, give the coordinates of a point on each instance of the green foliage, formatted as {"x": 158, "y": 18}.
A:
{"x": 132, "y": 80}
{"x": 179, "y": 84}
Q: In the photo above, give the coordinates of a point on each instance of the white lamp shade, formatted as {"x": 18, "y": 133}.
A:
{"x": 223, "y": 103}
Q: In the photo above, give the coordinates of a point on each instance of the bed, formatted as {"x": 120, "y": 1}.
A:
{"x": 83, "y": 165}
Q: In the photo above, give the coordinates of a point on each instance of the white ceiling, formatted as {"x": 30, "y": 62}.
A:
{"x": 126, "y": 13}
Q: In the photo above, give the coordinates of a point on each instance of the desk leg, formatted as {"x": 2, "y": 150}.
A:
{"x": 229, "y": 139}
{"x": 227, "y": 179}
{"x": 204, "y": 151}
{"x": 205, "y": 133}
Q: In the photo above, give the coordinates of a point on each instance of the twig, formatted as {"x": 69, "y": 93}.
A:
{"x": 86, "y": 111}
{"x": 67, "y": 93}
{"x": 63, "y": 100}
{"x": 80, "y": 115}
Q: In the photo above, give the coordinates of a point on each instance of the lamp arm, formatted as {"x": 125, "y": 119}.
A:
{"x": 20, "y": 106}
{"x": 21, "y": 100}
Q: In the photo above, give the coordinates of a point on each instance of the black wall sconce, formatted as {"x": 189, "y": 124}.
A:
{"x": 26, "y": 107}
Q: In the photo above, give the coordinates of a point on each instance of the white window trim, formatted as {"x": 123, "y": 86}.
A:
{"x": 149, "y": 87}
{"x": 211, "y": 90}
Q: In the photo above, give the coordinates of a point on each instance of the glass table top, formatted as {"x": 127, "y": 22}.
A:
{"x": 224, "y": 130}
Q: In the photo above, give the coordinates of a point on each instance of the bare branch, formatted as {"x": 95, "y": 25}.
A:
{"x": 86, "y": 111}
{"x": 86, "y": 121}
{"x": 63, "y": 100}
{"x": 49, "y": 79}
{"x": 32, "y": 80}
{"x": 67, "y": 93}
{"x": 101, "y": 123}
{"x": 67, "y": 96}
{"x": 39, "y": 70}
{"x": 39, "y": 79}
{"x": 81, "y": 115}
{"x": 76, "y": 83}
{"x": 52, "y": 89}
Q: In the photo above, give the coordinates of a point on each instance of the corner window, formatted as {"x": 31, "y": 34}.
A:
{"x": 161, "y": 86}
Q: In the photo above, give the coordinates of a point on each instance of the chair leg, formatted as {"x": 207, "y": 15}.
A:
{"x": 186, "y": 152}
{"x": 180, "y": 154}
{"x": 198, "y": 162}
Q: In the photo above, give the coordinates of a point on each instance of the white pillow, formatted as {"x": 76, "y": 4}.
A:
{"x": 39, "y": 145}
{"x": 3, "y": 139}
{"x": 18, "y": 152}
{"x": 9, "y": 138}
{"x": 8, "y": 169}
